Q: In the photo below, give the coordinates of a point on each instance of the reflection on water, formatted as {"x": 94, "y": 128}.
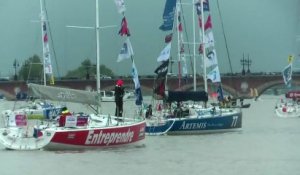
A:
{"x": 266, "y": 145}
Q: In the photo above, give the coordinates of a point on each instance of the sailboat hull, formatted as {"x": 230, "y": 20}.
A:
{"x": 198, "y": 125}
{"x": 63, "y": 138}
{"x": 94, "y": 138}
{"x": 230, "y": 122}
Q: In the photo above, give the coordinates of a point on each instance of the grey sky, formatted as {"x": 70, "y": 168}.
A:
{"x": 265, "y": 29}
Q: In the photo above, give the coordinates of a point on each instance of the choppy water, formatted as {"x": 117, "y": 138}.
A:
{"x": 267, "y": 145}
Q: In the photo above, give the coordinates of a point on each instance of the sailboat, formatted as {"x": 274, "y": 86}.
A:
{"x": 81, "y": 131}
{"x": 289, "y": 105}
{"x": 37, "y": 109}
{"x": 186, "y": 118}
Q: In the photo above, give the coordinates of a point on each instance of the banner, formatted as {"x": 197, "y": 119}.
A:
{"x": 126, "y": 51}
{"x": 120, "y": 6}
{"x": 211, "y": 58}
{"x": 137, "y": 86}
{"x": 162, "y": 70}
{"x": 165, "y": 53}
{"x": 214, "y": 75}
{"x": 46, "y": 52}
{"x": 168, "y": 15}
{"x": 287, "y": 74}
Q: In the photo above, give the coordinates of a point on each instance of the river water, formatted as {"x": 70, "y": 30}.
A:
{"x": 266, "y": 145}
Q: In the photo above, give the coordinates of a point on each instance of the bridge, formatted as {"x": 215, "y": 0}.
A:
{"x": 237, "y": 86}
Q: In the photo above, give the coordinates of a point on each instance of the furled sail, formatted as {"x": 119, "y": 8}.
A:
{"x": 63, "y": 94}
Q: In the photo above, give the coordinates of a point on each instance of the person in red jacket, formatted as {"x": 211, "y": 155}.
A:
{"x": 62, "y": 119}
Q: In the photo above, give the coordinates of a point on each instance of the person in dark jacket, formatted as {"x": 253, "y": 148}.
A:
{"x": 119, "y": 93}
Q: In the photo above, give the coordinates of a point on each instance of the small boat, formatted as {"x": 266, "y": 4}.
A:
{"x": 288, "y": 106}
{"x": 34, "y": 110}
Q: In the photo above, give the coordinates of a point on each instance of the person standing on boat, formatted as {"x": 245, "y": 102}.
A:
{"x": 119, "y": 93}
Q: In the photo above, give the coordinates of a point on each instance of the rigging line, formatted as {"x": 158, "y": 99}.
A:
{"x": 222, "y": 24}
{"x": 186, "y": 34}
{"x": 52, "y": 43}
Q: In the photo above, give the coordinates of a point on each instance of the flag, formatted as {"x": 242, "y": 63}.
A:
{"x": 214, "y": 75}
{"x": 46, "y": 52}
{"x": 120, "y": 6}
{"x": 207, "y": 25}
{"x": 290, "y": 59}
{"x": 205, "y": 6}
{"x": 168, "y": 15}
{"x": 180, "y": 24}
{"x": 160, "y": 88}
{"x": 211, "y": 58}
{"x": 137, "y": 86}
{"x": 209, "y": 40}
{"x": 126, "y": 51}
{"x": 220, "y": 93}
{"x": 287, "y": 74}
{"x": 162, "y": 70}
{"x": 168, "y": 38}
{"x": 165, "y": 53}
{"x": 124, "y": 28}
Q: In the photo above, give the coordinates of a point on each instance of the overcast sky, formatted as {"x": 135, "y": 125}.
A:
{"x": 264, "y": 29}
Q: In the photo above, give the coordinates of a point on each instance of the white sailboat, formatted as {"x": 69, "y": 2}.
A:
{"x": 197, "y": 119}
{"x": 96, "y": 131}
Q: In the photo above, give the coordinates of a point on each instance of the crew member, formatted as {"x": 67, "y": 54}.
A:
{"x": 62, "y": 118}
{"x": 119, "y": 93}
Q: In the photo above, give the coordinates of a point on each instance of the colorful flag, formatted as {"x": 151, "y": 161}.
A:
{"x": 126, "y": 51}
{"x": 211, "y": 58}
{"x": 46, "y": 52}
{"x": 205, "y": 6}
{"x": 209, "y": 40}
{"x": 120, "y": 6}
{"x": 168, "y": 38}
{"x": 162, "y": 70}
{"x": 165, "y": 53}
{"x": 214, "y": 75}
{"x": 290, "y": 59}
{"x": 124, "y": 28}
{"x": 137, "y": 86}
{"x": 287, "y": 74}
{"x": 168, "y": 15}
{"x": 220, "y": 93}
{"x": 160, "y": 88}
{"x": 207, "y": 25}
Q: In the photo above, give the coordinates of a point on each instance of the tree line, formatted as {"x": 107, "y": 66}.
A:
{"x": 32, "y": 69}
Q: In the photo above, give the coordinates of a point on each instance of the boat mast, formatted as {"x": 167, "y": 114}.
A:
{"x": 43, "y": 20}
{"x": 203, "y": 47}
{"x": 98, "y": 56}
{"x": 194, "y": 49}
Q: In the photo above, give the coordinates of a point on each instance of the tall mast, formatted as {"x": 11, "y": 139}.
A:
{"x": 98, "y": 55}
{"x": 194, "y": 48}
{"x": 203, "y": 48}
{"x": 43, "y": 20}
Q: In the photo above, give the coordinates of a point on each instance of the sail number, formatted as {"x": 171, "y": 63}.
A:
{"x": 234, "y": 121}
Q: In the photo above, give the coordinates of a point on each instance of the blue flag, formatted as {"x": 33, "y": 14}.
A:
{"x": 220, "y": 93}
{"x": 168, "y": 15}
{"x": 137, "y": 86}
{"x": 287, "y": 74}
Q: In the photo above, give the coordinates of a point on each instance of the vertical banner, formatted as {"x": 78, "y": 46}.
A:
{"x": 168, "y": 16}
